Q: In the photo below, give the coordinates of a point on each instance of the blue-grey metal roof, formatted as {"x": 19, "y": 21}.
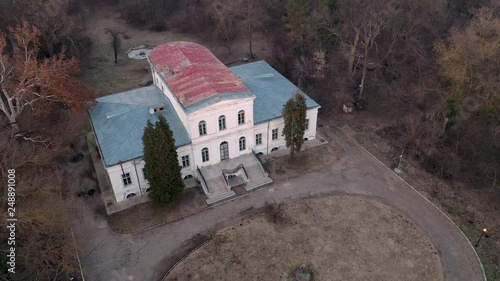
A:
{"x": 272, "y": 90}
{"x": 119, "y": 121}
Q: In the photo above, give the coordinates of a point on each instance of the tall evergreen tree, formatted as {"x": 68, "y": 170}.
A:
{"x": 162, "y": 166}
{"x": 294, "y": 114}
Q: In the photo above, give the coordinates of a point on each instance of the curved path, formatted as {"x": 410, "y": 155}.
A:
{"x": 146, "y": 256}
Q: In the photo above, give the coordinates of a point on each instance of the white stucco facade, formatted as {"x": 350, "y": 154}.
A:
{"x": 212, "y": 142}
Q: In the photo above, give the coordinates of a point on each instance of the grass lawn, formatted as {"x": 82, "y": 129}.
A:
{"x": 338, "y": 237}
{"x": 150, "y": 214}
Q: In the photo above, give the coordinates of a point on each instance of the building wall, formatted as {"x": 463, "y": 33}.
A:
{"x": 139, "y": 183}
{"x": 266, "y": 128}
{"x": 211, "y": 115}
{"x": 214, "y": 137}
{"x": 212, "y": 141}
{"x": 160, "y": 83}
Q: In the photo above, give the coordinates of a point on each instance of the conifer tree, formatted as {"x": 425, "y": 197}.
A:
{"x": 294, "y": 114}
{"x": 162, "y": 166}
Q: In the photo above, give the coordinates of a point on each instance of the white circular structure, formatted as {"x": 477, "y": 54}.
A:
{"x": 139, "y": 53}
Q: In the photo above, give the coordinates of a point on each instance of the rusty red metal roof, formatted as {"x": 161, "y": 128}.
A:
{"x": 193, "y": 72}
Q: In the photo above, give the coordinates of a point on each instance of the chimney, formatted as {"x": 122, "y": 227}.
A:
{"x": 182, "y": 98}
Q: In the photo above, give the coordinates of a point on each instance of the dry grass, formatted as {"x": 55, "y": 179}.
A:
{"x": 101, "y": 71}
{"x": 150, "y": 214}
{"x": 339, "y": 237}
{"x": 306, "y": 161}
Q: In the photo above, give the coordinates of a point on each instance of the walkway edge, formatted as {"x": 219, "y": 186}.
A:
{"x": 184, "y": 257}
{"x": 426, "y": 199}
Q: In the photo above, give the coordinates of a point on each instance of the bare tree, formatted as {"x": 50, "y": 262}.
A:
{"x": 115, "y": 42}
{"x": 254, "y": 17}
{"x": 51, "y": 17}
{"x": 469, "y": 62}
{"x": 370, "y": 27}
{"x": 26, "y": 81}
{"x": 43, "y": 227}
{"x": 382, "y": 33}
{"x": 224, "y": 15}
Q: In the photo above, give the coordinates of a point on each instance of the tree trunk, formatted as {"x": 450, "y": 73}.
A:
{"x": 48, "y": 44}
{"x": 228, "y": 48}
{"x": 252, "y": 56}
{"x": 292, "y": 151}
{"x": 353, "y": 54}
{"x": 13, "y": 122}
{"x": 363, "y": 76}
{"x": 443, "y": 128}
{"x": 116, "y": 55}
{"x": 115, "y": 46}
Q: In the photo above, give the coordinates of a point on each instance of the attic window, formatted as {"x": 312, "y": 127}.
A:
{"x": 159, "y": 108}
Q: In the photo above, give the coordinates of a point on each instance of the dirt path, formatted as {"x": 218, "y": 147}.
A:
{"x": 149, "y": 255}
{"x": 339, "y": 237}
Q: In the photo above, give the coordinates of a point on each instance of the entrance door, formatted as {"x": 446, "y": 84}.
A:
{"x": 224, "y": 151}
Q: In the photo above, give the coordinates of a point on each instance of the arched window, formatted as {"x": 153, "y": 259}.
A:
{"x": 243, "y": 144}
{"x": 202, "y": 128}
{"x": 130, "y": 195}
{"x": 222, "y": 122}
{"x": 204, "y": 155}
{"x": 241, "y": 117}
{"x": 224, "y": 150}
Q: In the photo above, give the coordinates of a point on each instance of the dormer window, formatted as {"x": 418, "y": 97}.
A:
{"x": 241, "y": 117}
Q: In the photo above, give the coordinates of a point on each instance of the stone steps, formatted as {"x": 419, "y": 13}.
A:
{"x": 217, "y": 190}
{"x": 257, "y": 177}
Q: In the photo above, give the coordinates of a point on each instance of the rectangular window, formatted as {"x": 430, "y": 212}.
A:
{"x": 275, "y": 134}
{"x": 222, "y": 123}
{"x": 241, "y": 117}
{"x": 126, "y": 179}
{"x": 185, "y": 161}
{"x": 204, "y": 155}
{"x": 258, "y": 139}
{"x": 243, "y": 144}
{"x": 202, "y": 128}
{"x": 307, "y": 124}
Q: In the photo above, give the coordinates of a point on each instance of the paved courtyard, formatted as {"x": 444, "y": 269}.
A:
{"x": 148, "y": 255}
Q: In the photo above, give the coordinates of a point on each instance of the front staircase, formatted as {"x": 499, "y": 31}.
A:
{"x": 258, "y": 177}
{"x": 216, "y": 189}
